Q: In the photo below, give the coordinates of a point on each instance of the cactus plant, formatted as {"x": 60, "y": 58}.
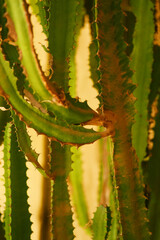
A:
{"x": 124, "y": 67}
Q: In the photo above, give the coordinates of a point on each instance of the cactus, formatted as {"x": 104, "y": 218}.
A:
{"x": 124, "y": 66}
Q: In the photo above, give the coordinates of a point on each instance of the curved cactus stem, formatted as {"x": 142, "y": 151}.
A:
{"x": 47, "y": 92}
{"x": 41, "y": 122}
{"x": 17, "y": 14}
{"x": 25, "y": 145}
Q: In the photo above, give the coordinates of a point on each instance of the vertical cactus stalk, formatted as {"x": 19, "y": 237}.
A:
{"x": 61, "y": 39}
{"x": 118, "y": 110}
{"x": 141, "y": 63}
{"x": 130, "y": 191}
{"x": 61, "y": 209}
{"x": 116, "y": 228}
{"x": 7, "y": 215}
{"x": 17, "y": 219}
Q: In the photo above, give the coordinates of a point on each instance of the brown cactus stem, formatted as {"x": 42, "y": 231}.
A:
{"x": 129, "y": 185}
{"x": 118, "y": 110}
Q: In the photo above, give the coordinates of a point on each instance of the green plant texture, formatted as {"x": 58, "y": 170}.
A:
{"x": 124, "y": 64}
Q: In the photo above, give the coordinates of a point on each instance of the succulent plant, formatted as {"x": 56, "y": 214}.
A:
{"x": 124, "y": 67}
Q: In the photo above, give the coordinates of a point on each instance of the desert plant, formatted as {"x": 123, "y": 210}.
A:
{"x": 124, "y": 66}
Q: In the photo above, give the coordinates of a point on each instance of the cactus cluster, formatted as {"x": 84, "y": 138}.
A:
{"x": 124, "y": 66}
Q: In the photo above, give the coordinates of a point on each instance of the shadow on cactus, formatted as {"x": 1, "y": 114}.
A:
{"x": 125, "y": 71}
